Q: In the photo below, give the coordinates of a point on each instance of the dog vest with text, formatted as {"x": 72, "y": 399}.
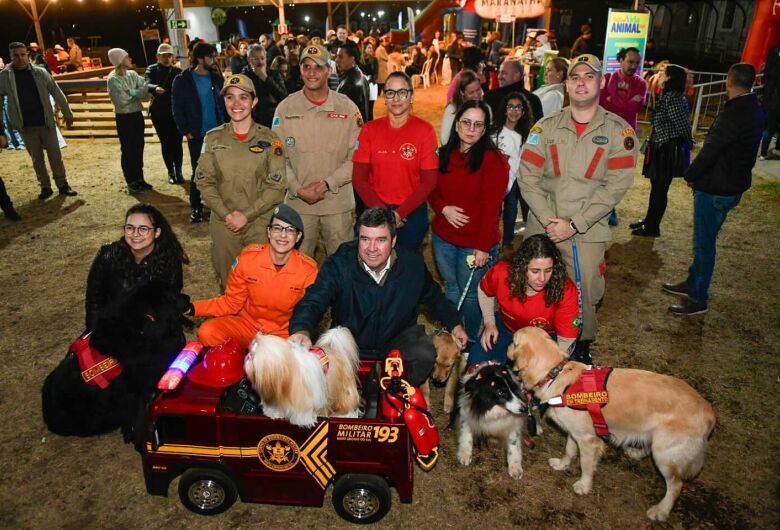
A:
{"x": 589, "y": 392}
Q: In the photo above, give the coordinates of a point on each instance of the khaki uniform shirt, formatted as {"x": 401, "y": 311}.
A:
{"x": 319, "y": 142}
{"x": 578, "y": 178}
{"x": 244, "y": 175}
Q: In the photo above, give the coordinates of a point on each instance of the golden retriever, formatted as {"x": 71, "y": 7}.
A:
{"x": 647, "y": 414}
{"x": 449, "y": 366}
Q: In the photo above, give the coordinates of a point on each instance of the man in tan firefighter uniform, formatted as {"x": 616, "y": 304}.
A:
{"x": 575, "y": 167}
{"x": 241, "y": 176}
{"x": 319, "y": 128}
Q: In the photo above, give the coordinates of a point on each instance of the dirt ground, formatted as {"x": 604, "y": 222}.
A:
{"x": 730, "y": 355}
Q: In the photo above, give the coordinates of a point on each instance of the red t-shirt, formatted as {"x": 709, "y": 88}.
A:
{"x": 397, "y": 156}
{"x": 480, "y": 194}
{"x": 560, "y": 318}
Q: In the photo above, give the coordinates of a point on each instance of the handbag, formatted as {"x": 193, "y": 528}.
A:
{"x": 96, "y": 369}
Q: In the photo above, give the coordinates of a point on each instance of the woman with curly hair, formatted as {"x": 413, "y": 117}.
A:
{"x": 530, "y": 289}
{"x": 148, "y": 251}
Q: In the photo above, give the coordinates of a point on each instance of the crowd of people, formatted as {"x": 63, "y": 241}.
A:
{"x": 286, "y": 155}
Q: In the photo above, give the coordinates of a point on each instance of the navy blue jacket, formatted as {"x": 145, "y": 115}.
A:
{"x": 725, "y": 163}
{"x": 186, "y": 104}
{"x": 375, "y": 314}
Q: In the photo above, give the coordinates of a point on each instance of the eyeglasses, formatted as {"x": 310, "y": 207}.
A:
{"x": 278, "y": 229}
{"x": 514, "y": 107}
{"x": 141, "y": 230}
{"x": 402, "y": 93}
{"x": 472, "y": 125}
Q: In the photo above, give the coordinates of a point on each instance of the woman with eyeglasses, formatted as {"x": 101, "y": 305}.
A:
{"x": 509, "y": 133}
{"x": 473, "y": 176}
{"x": 395, "y": 164}
{"x": 264, "y": 285}
{"x": 468, "y": 89}
{"x": 148, "y": 251}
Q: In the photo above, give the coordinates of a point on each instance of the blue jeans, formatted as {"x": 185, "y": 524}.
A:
{"x": 772, "y": 123}
{"x": 451, "y": 261}
{"x": 709, "y": 214}
{"x": 498, "y": 352}
{"x": 412, "y": 234}
{"x": 509, "y": 213}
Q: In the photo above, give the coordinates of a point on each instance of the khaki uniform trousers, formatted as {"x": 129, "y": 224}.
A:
{"x": 214, "y": 331}
{"x": 336, "y": 229}
{"x": 592, "y": 268}
{"x": 38, "y": 139}
{"x": 226, "y": 245}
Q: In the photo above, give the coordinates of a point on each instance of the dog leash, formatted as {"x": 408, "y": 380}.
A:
{"x": 471, "y": 263}
{"x": 578, "y": 283}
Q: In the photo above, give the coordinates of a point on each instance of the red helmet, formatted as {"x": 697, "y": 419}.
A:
{"x": 222, "y": 365}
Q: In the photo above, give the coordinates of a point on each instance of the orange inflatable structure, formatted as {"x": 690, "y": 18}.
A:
{"x": 764, "y": 32}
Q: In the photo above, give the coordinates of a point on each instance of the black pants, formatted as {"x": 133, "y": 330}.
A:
{"x": 417, "y": 352}
{"x": 170, "y": 140}
{"x": 659, "y": 190}
{"x": 130, "y": 128}
{"x": 5, "y": 201}
{"x": 195, "y": 145}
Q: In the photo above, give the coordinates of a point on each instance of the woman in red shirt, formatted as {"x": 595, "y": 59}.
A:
{"x": 531, "y": 289}
{"x": 473, "y": 176}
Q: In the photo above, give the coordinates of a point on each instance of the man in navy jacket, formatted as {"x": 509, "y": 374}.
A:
{"x": 198, "y": 107}
{"x": 374, "y": 288}
{"x": 719, "y": 176}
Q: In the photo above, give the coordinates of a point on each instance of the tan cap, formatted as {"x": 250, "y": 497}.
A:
{"x": 586, "y": 58}
{"x": 239, "y": 81}
{"x": 316, "y": 53}
{"x": 164, "y": 48}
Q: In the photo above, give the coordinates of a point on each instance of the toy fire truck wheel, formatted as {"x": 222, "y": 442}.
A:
{"x": 361, "y": 499}
{"x": 206, "y": 491}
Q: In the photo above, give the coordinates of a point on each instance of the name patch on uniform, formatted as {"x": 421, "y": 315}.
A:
{"x": 628, "y": 131}
{"x": 256, "y": 149}
{"x": 336, "y": 115}
{"x": 533, "y": 138}
{"x": 628, "y": 143}
{"x": 600, "y": 140}
{"x": 289, "y": 141}
{"x": 408, "y": 151}
{"x": 536, "y": 129}
{"x": 276, "y": 121}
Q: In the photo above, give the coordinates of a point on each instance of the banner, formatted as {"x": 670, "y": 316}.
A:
{"x": 492, "y": 9}
{"x": 625, "y": 29}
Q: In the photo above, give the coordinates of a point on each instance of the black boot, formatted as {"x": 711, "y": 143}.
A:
{"x": 196, "y": 216}
{"x": 171, "y": 176}
{"x": 6, "y": 205}
{"x": 581, "y": 353}
{"x": 179, "y": 176}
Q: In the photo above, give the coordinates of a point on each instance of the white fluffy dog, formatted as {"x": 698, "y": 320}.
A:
{"x": 298, "y": 385}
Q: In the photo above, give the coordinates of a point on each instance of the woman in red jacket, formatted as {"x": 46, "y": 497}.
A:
{"x": 473, "y": 177}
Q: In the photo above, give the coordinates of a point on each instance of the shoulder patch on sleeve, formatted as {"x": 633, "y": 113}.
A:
{"x": 276, "y": 121}
{"x": 533, "y": 138}
{"x": 628, "y": 131}
{"x": 536, "y": 129}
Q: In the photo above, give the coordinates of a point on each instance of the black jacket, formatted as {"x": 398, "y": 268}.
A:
{"x": 725, "y": 163}
{"x": 353, "y": 85}
{"x": 374, "y": 313}
{"x": 186, "y": 104}
{"x": 494, "y": 98}
{"x": 109, "y": 279}
{"x": 269, "y": 94}
{"x": 161, "y": 76}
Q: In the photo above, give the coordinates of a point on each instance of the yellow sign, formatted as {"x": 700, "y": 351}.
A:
{"x": 587, "y": 398}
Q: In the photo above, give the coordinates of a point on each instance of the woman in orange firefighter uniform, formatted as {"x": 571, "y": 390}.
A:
{"x": 265, "y": 283}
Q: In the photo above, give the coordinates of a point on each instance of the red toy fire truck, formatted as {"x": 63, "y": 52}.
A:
{"x": 206, "y": 425}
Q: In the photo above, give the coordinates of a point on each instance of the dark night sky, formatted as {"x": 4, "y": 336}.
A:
{"x": 119, "y": 21}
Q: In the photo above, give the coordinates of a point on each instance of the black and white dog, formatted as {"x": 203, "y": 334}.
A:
{"x": 491, "y": 404}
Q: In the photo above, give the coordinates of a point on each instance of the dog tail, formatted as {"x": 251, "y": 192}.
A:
{"x": 339, "y": 339}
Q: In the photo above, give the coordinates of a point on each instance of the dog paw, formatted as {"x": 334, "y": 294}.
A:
{"x": 558, "y": 464}
{"x": 657, "y": 513}
{"x": 516, "y": 471}
{"x": 464, "y": 457}
{"x": 581, "y": 487}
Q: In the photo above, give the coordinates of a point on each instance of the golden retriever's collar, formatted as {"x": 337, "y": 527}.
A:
{"x": 323, "y": 357}
{"x": 551, "y": 375}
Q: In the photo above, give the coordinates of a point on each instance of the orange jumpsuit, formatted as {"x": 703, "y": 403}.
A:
{"x": 257, "y": 298}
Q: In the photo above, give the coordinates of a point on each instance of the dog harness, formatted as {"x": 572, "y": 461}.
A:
{"x": 589, "y": 392}
{"x": 323, "y": 357}
{"x": 96, "y": 369}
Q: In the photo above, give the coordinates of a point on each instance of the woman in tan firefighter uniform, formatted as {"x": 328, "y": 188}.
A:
{"x": 241, "y": 176}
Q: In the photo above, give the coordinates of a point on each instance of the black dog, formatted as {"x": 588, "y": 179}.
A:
{"x": 143, "y": 331}
{"x": 492, "y": 405}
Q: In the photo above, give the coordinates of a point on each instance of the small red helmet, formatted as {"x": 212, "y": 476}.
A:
{"x": 222, "y": 366}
